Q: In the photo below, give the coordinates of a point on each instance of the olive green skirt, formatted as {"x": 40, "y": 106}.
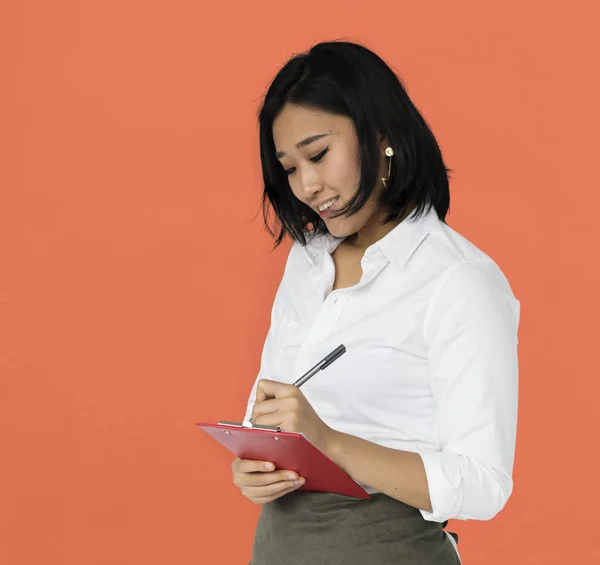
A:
{"x": 314, "y": 528}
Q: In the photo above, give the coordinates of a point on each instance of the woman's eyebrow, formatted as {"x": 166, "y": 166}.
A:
{"x": 303, "y": 143}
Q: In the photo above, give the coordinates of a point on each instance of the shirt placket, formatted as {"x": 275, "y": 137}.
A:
{"x": 332, "y": 308}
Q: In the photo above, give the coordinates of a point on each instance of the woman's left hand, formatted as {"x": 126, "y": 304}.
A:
{"x": 284, "y": 406}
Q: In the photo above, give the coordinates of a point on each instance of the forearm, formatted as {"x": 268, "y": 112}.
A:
{"x": 398, "y": 474}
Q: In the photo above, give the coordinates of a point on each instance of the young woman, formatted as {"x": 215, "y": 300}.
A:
{"x": 422, "y": 408}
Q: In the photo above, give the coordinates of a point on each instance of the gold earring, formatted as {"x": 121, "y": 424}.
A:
{"x": 389, "y": 152}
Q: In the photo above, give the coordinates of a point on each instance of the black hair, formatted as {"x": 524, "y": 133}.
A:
{"x": 348, "y": 79}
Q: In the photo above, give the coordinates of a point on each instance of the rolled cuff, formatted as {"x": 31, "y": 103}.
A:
{"x": 463, "y": 488}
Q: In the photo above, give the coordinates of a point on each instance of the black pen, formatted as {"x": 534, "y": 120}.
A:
{"x": 325, "y": 362}
{"x": 322, "y": 364}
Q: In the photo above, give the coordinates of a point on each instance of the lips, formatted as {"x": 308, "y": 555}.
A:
{"x": 326, "y": 213}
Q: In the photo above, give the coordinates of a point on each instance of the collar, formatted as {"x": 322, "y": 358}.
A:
{"x": 397, "y": 246}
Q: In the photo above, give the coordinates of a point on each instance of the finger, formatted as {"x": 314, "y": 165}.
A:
{"x": 272, "y": 420}
{"x": 268, "y": 406}
{"x": 266, "y": 491}
{"x": 273, "y": 389}
{"x": 263, "y": 479}
{"x": 261, "y": 394}
{"x": 251, "y": 466}
{"x": 265, "y": 500}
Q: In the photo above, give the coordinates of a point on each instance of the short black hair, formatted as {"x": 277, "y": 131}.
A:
{"x": 348, "y": 79}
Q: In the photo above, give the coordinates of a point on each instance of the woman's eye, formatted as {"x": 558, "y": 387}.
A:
{"x": 318, "y": 157}
{"x": 314, "y": 159}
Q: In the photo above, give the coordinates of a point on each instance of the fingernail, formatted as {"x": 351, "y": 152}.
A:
{"x": 291, "y": 476}
{"x": 299, "y": 482}
{"x": 269, "y": 466}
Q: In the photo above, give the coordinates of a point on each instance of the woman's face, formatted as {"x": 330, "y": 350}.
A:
{"x": 319, "y": 152}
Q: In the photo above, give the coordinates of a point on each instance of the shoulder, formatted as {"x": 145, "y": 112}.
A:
{"x": 446, "y": 247}
{"x": 447, "y": 255}
{"x": 468, "y": 281}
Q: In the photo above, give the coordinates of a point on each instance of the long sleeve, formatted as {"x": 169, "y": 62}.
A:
{"x": 471, "y": 332}
{"x": 261, "y": 371}
{"x": 280, "y": 303}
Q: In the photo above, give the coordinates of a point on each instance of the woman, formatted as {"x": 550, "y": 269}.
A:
{"x": 422, "y": 409}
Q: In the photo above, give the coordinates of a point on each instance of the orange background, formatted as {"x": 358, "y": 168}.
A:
{"x": 136, "y": 280}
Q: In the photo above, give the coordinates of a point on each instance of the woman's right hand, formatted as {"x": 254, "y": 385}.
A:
{"x": 260, "y": 483}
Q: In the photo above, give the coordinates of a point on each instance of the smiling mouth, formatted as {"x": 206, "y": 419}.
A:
{"x": 327, "y": 212}
{"x": 330, "y": 205}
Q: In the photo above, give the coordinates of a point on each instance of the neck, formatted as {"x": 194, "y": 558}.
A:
{"x": 374, "y": 231}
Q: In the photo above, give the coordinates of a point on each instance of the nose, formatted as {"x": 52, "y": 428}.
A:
{"x": 310, "y": 184}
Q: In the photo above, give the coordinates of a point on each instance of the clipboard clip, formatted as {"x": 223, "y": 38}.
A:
{"x": 250, "y": 426}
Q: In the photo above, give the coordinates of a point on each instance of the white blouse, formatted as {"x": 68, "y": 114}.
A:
{"x": 431, "y": 356}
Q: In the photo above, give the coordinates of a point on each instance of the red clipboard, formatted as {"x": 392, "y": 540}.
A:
{"x": 286, "y": 450}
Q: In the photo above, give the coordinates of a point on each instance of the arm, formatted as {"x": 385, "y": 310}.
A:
{"x": 399, "y": 474}
{"x": 471, "y": 331}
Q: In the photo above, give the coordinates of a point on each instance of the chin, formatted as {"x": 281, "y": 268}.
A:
{"x": 337, "y": 230}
